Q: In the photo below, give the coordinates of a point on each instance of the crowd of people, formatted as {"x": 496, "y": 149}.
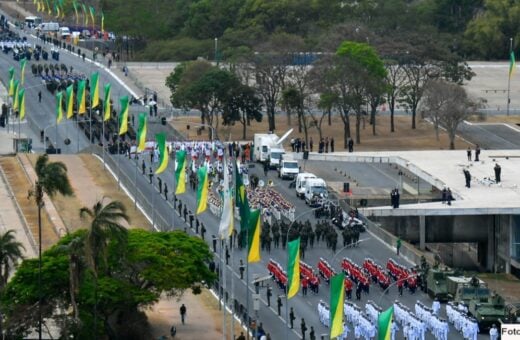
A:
{"x": 457, "y": 314}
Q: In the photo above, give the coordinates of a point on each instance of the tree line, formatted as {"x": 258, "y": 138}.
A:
{"x": 186, "y": 29}
{"x": 353, "y": 82}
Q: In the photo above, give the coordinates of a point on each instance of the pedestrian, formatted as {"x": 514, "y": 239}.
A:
{"x": 39, "y": 96}
{"x": 467, "y": 176}
{"x": 165, "y": 191}
{"x": 241, "y": 269}
{"x": 173, "y": 331}
{"x": 266, "y": 168}
{"x": 312, "y": 335}
{"x": 477, "y": 153}
{"x": 150, "y": 174}
{"x": 303, "y": 328}
{"x": 143, "y": 166}
{"x": 468, "y": 152}
{"x": 311, "y": 144}
{"x": 493, "y": 333}
{"x": 292, "y": 317}
{"x": 400, "y": 285}
{"x": 279, "y": 305}
{"x": 305, "y": 284}
{"x": 242, "y": 336}
{"x": 214, "y": 240}
{"x": 350, "y": 145}
{"x": 332, "y": 144}
{"x": 436, "y": 306}
{"x": 498, "y": 170}
{"x": 269, "y": 293}
{"x": 398, "y": 245}
{"x": 159, "y": 180}
{"x": 449, "y": 196}
{"x": 183, "y": 313}
{"x": 444, "y": 195}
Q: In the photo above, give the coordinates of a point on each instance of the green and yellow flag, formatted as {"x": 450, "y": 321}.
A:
{"x": 11, "y": 81}
{"x": 337, "y": 297}
{"x": 123, "y": 117}
{"x": 293, "y": 268}
{"x": 75, "y": 5}
{"x": 160, "y": 139}
{"x": 70, "y": 101}
{"x": 241, "y": 200}
{"x": 92, "y": 15}
{"x": 15, "y": 94}
{"x": 22, "y": 70}
{"x": 141, "y": 133}
{"x": 81, "y": 97}
{"x": 180, "y": 172}
{"x": 21, "y": 103}
{"x": 59, "y": 108}
{"x": 49, "y": 11}
{"x": 253, "y": 241}
{"x": 227, "y": 217}
{"x": 106, "y": 104}
{"x": 512, "y": 64}
{"x": 85, "y": 15}
{"x": 384, "y": 322}
{"x": 102, "y": 22}
{"x": 94, "y": 89}
{"x": 202, "y": 190}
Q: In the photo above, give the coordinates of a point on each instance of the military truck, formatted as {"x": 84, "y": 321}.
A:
{"x": 485, "y": 306}
{"x": 436, "y": 283}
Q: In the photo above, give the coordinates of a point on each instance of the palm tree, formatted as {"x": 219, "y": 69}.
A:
{"x": 52, "y": 179}
{"x": 105, "y": 227}
{"x": 10, "y": 254}
{"x": 74, "y": 250}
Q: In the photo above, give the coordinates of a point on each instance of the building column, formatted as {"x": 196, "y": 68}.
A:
{"x": 490, "y": 258}
{"x": 422, "y": 232}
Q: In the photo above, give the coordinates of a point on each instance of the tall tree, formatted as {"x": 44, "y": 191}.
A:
{"x": 242, "y": 105}
{"x": 52, "y": 179}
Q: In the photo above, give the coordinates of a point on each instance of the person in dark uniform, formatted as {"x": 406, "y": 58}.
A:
{"x": 150, "y": 174}
{"x": 332, "y": 144}
{"x": 498, "y": 170}
{"x": 241, "y": 268}
{"x": 269, "y": 293}
{"x": 468, "y": 152}
{"x": 292, "y": 317}
{"x": 477, "y": 153}
{"x": 303, "y": 328}
{"x": 165, "y": 191}
{"x": 159, "y": 180}
{"x": 214, "y": 240}
{"x": 467, "y": 176}
{"x": 143, "y": 166}
{"x": 279, "y": 304}
{"x": 350, "y": 145}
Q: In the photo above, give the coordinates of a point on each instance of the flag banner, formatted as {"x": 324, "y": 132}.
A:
{"x": 92, "y": 15}
{"x": 59, "y": 108}
{"x": 253, "y": 242}
{"x": 21, "y": 103}
{"x": 180, "y": 172}
{"x": 81, "y": 97}
{"x": 94, "y": 90}
{"x": 512, "y": 64}
{"x": 70, "y": 101}
{"x": 293, "y": 268}
{"x": 123, "y": 116}
{"x": 241, "y": 200}
{"x": 384, "y": 324}
{"x": 227, "y": 219}
{"x": 160, "y": 138}
{"x": 15, "y": 94}
{"x": 202, "y": 190}
{"x": 85, "y": 15}
{"x": 102, "y": 22}
{"x": 141, "y": 133}
{"x": 23, "y": 62}
{"x": 106, "y": 104}
{"x": 11, "y": 81}
{"x": 75, "y": 5}
{"x": 337, "y": 297}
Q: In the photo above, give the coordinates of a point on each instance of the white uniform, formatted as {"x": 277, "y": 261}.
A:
{"x": 493, "y": 333}
{"x": 436, "y": 306}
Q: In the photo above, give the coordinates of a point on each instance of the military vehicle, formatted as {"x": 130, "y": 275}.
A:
{"x": 485, "y": 306}
{"x": 436, "y": 283}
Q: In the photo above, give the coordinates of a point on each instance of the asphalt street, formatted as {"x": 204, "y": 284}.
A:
{"x": 41, "y": 116}
{"x": 491, "y": 136}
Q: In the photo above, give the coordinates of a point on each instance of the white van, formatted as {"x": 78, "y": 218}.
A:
{"x": 33, "y": 21}
{"x": 301, "y": 178}
{"x": 288, "y": 168}
{"x": 47, "y": 27}
{"x": 315, "y": 191}
{"x": 63, "y": 32}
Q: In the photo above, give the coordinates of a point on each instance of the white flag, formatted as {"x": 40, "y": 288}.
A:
{"x": 226, "y": 219}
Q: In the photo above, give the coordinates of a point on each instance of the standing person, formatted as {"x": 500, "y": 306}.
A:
{"x": 266, "y": 168}
{"x": 39, "y": 96}
{"x": 292, "y": 317}
{"x": 312, "y": 335}
{"x": 436, "y": 306}
{"x": 165, "y": 191}
{"x": 444, "y": 195}
{"x": 303, "y": 328}
{"x": 449, "y": 197}
{"x": 392, "y": 198}
{"x": 242, "y": 336}
{"x": 242, "y": 268}
{"x": 467, "y": 176}
{"x": 311, "y": 144}
{"x": 493, "y": 333}
{"x": 397, "y": 196}
{"x": 398, "y": 245}
{"x": 279, "y": 305}
{"x": 350, "y": 145}
{"x": 269, "y": 293}
{"x": 143, "y": 166}
{"x": 468, "y": 152}
{"x": 498, "y": 170}
{"x": 331, "y": 144}
{"x": 150, "y": 174}
{"x": 326, "y": 144}
{"x": 477, "y": 153}
{"x": 293, "y": 144}
{"x": 214, "y": 240}
{"x": 393, "y": 329}
{"x": 183, "y": 313}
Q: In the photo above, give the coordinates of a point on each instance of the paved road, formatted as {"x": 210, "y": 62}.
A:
{"x": 491, "y": 136}
{"x": 43, "y": 115}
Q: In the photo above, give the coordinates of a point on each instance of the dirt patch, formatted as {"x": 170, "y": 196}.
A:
{"x": 404, "y": 137}
{"x": 505, "y": 285}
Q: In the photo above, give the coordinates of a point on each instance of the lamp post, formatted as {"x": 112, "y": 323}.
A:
{"x": 216, "y": 51}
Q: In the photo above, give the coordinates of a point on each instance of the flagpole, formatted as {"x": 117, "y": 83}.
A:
{"x": 223, "y": 244}
{"x": 118, "y": 166}
{"x": 509, "y": 78}
{"x": 232, "y": 252}
{"x": 247, "y": 282}
{"x": 220, "y": 278}
{"x": 103, "y": 143}
{"x": 19, "y": 135}
{"x": 153, "y": 204}
{"x": 135, "y": 179}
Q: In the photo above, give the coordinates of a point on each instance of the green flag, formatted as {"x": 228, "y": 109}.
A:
{"x": 241, "y": 200}
{"x": 253, "y": 241}
{"x": 160, "y": 139}
{"x": 81, "y": 97}
{"x": 22, "y": 70}
{"x": 70, "y": 101}
{"x": 180, "y": 172}
{"x": 202, "y": 190}
{"x": 384, "y": 322}
{"x": 293, "y": 268}
{"x": 106, "y": 104}
{"x": 512, "y": 64}
{"x": 94, "y": 89}
{"x": 15, "y": 94}
{"x": 59, "y": 109}
{"x": 337, "y": 299}
{"x": 11, "y": 81}
{"x": 21, "y": 103}
{"x": 123, "y": 117}
{"x": 141, "y": 132}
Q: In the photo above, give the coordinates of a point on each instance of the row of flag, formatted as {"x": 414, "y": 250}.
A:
{"x": 60, "y": 7}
